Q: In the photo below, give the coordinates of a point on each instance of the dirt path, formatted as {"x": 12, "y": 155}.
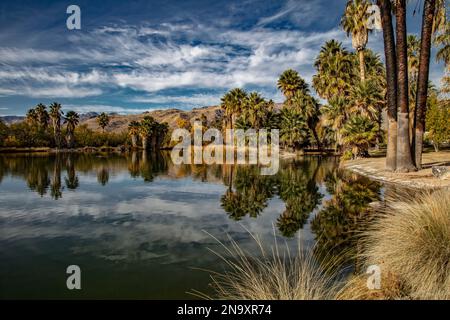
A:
{"x": 374, "y": 168}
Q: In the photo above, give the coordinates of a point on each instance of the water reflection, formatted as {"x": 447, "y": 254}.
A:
{"x": 342, "y": 218}
{"x": 147, "y": 214}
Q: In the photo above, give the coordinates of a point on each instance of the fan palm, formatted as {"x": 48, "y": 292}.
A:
{"x": 358, "y": 134}
{"x": 55, "y": 116}
{"x": 103, "y": 120}
{"x": 71, "y": 119}
{"x": 32, "y": 117}
{"x": 146, "y": 129}
{"x": 290, "y": 82}
{"x": 293, "y": 129}
{"x": 354, "y": 22}
{"x": 334, "y": 71}
{"x": 233, "y": 103}
{"x": 42, "y": 116}
{"x": 308, "y": 107}
{"x": 133, "y": 131}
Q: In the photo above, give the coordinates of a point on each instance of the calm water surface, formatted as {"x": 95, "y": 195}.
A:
{"x": 140, "y": 227}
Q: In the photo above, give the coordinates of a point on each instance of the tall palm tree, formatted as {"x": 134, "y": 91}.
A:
{"x": 71, "y": 119}
{"x": 133, "y": 131}
{"x": 354, "y": 22}
{"x": 42, "y": 116}
{"x": 404, "y": 158}
{"x": 55, "y": 116}
{"x": 233, "y": 103}
{"x": 429, "y": 11}
{"x": 391, "y": 82}
{"x": 291, "y": 82}
{"x": 103, "y": 120}
{"x": 413, "y": 50}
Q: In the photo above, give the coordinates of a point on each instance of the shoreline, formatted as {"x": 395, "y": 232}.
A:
{"x": 373, "y": 168}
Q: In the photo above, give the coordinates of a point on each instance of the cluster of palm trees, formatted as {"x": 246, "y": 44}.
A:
{"x": 40, "y": 118}
{"x": 358, "y": 87}
{"x": 148, "y": 129}
{"x": 244, "y": 110}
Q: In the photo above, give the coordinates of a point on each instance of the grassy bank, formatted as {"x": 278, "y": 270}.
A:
{"x": 409, "y": 240}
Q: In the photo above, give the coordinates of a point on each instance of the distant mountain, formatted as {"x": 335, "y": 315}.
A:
{"x": 119, "y": 123}
{"x": 12, "y": 119}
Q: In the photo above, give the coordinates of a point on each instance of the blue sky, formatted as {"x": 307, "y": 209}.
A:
{"x": 133, "y": 56}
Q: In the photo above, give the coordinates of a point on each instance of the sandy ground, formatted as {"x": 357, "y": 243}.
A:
{"x": 374, "y": 168}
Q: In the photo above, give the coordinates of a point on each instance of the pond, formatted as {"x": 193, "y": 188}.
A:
{"x": 140, "y": 227}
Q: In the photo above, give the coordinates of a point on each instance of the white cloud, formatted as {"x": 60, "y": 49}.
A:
{"x": 84, "y": 108}
{"x": 192, "y": 100}
{"x": 61, "y": 92}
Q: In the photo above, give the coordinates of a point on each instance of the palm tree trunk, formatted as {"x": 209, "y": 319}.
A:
{"x": 144, "y": 142}
{"x": 422, "y": 80}
{"x": 391, "y": 73}
{"x": 362, "y": 67}
{"x": 134, "y": 141}
{"x": 404, "y": 159}
{"x": 316, "y": 136}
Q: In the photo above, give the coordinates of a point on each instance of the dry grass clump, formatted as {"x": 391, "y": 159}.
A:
{"x": 356, "y": 289}
{"x": 274, "y": 275}
{"x": 412, "y": 240}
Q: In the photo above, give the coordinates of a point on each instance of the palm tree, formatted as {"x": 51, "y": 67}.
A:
{"x": 293, "y": 129}
{"x": 391, "y": 82}
{"x": 429, "y": 11}
{"x": 413, "y": 49}
{"x": 233, "y": 103}
{"x": 358, "y": 134}
{"x": 55, "y": 116}
{"x": 32, "y": 117}
{"x": 103, "y": 120}
{"x": 443, "y": 39}
{"x": 413, "y": 66}
{"x": 71, "y": 119}
{"x": 146, "y": 129}
{"x": 335, "y": 116}
{"x": 256, "y": 110}
{"x": 133, "y": 131}
{"x": 160, "y": 133}
{"x": 308, "y": 107}
{"x": 290, "y": 82}
{"x": 42, "y": 116}
{"x": 354, "y": 22}
{"x": 404, "y": 158}
{"x": 334, "y": 71}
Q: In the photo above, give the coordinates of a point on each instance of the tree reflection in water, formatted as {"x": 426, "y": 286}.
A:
{"x": 338, "y": 224}
{"x": 247, "y": 192}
